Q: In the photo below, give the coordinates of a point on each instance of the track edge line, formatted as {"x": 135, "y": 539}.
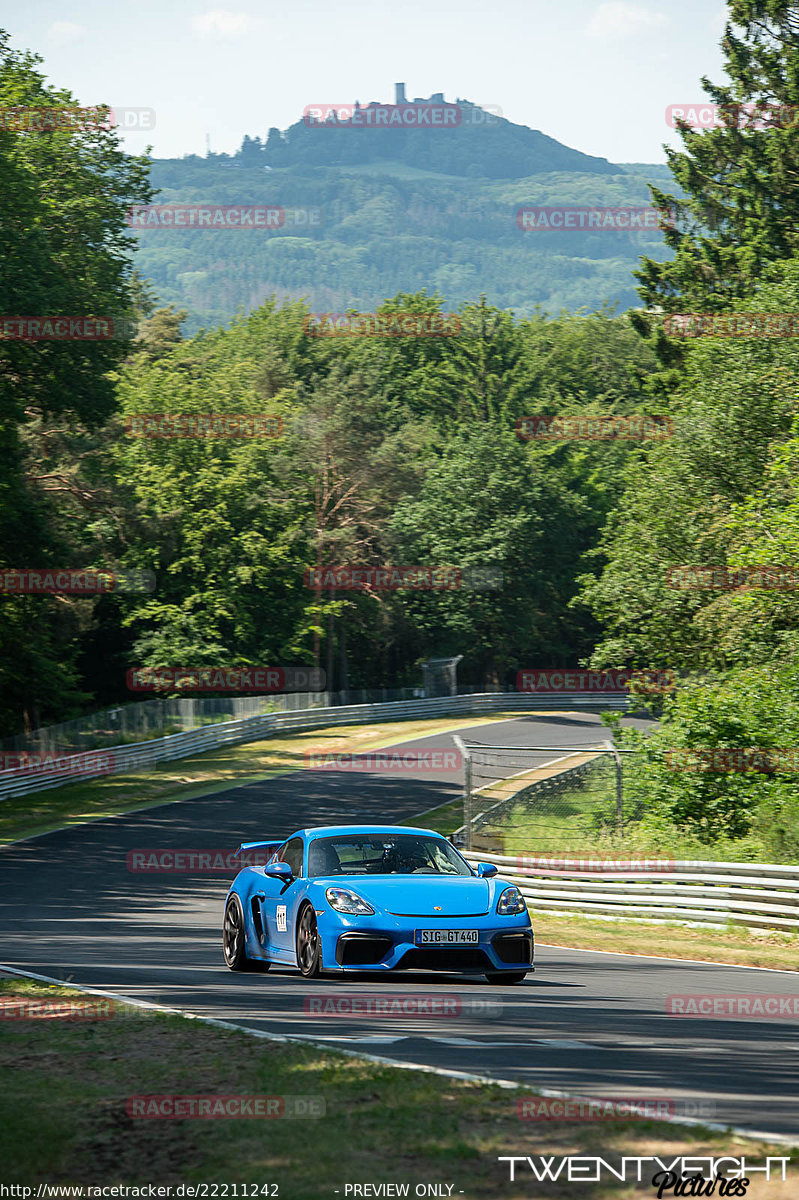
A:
{"x": 508, "y": 1084}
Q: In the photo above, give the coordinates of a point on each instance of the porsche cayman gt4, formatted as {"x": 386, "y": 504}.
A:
{"x": 375, "y": 898}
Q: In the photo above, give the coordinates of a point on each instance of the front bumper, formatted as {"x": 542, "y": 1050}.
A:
{"x": 385, "y": 943}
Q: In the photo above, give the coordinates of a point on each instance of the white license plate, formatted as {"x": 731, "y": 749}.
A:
{"x": 446, "y": 937}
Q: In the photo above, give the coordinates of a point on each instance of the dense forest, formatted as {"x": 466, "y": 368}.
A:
{"x": 404, "y": 451}
{"x": 357, "y": 232}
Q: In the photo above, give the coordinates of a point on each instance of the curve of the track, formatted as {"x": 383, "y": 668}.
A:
{"x": 587, "y": 1023}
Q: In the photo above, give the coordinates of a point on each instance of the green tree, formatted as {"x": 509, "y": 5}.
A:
{"x": 486, "y": 510}
{"x": 675, "y": 789}
{"x": 65, "y": 251}
{"x": 732, "y": 411}
{"x": 742, "y": 205}
{"x": 209, "y": 515}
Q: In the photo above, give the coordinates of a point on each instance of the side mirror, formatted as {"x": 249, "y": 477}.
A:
{"x": 278, "y": 870}
{"x": 486, "y": 870}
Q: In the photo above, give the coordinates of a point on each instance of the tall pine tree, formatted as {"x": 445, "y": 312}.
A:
{"x": 742, "y": 178}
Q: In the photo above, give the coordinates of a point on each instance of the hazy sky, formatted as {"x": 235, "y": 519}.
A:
{"x": 595, "y": 74}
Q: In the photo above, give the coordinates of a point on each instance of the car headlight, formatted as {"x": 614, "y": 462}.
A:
{"x": 343, "y": 900}
{"x": 511, "y": 901}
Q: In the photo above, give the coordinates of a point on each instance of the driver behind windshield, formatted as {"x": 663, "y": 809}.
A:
{"x": 406, "y": 858}
{"x": 402, "y": 855}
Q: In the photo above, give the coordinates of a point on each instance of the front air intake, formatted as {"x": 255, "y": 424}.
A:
{"x": 514, "y": 947}
{"x": 458, "y": 958}
{"x": 362, "y": 949}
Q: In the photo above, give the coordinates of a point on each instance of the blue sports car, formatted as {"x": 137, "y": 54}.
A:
{"x": 375, "y": 898}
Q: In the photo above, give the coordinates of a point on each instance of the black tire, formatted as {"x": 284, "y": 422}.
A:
{"x": 233, "y": 941}
{"x": 507, "y": 977}
{"x": 309, "y": 944}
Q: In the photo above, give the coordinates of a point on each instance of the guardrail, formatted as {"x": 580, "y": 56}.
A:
{"x": 757, "y": 895}
{"x": 118, "y": 760}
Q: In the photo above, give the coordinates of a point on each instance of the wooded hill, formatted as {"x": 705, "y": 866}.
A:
{"x": 385, "y": 210}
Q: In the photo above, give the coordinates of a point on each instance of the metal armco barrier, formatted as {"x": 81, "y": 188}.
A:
{"x": 758, "y": 895}
{"x": 120, "y": 760}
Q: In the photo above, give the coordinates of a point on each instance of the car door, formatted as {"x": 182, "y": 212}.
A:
{"x": 263, "y": 900}
{"x": 280, "y": 902}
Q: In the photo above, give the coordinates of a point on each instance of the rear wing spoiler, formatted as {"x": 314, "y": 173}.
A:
{"x": 257, "y": 846}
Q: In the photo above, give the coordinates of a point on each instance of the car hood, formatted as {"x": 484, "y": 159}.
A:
{"x": 421, "y": 895}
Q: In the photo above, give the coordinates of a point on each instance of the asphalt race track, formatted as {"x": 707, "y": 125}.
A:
{"x": 587, "y": 1023}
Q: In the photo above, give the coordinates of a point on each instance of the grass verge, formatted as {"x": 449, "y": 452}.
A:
{"x": 65, "y": 1117}
{"x": 733, "y": 945}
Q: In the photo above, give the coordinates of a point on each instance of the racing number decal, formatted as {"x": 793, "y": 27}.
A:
{"x": 281, "y": 918}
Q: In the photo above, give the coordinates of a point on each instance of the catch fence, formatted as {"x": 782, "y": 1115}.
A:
{"x": 514, "y": 799}
{"x": 117, "y": 759}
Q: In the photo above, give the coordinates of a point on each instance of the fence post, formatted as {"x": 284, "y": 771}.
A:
{"x": 467, "y": 789}
{"x": 619, "y": 788}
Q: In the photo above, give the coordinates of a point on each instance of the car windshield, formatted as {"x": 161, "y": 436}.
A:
{"x": 384, "y": 854}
